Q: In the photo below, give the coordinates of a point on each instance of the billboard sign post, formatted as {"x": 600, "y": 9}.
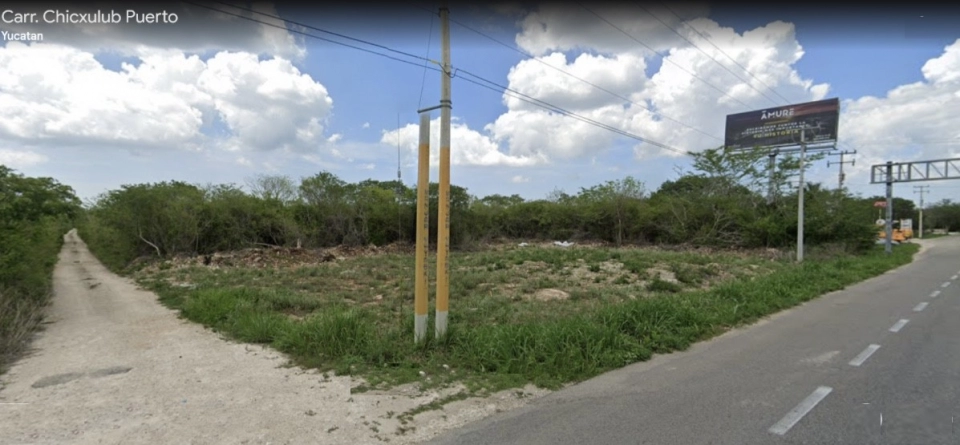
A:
{"x": 805, "y": 124}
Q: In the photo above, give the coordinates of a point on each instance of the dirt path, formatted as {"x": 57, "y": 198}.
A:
{"x": 114, "y": 366}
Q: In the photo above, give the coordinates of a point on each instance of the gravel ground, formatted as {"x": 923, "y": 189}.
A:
{"x": 114, "y": 366}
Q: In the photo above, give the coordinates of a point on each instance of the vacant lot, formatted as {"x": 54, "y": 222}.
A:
{"x": 539, "y": 313}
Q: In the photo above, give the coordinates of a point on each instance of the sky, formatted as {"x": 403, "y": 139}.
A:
{"x": 215, "y": 98}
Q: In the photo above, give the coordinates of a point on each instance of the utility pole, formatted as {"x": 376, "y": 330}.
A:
{"x": 921, "y": 189}
{"x": 771, "y": 170}
{"x": 399, "y": 188}
{"x": 803, "y": 149}
{"x": 423, "y": 230}
{"x": 443, "y": 218}
{"x": 889, "y": 228}
{"x": 851, "y": 162}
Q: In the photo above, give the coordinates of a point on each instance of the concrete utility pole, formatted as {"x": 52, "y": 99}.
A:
{"x": 771, "y": 170}
{"x": 889, "y": 244}
{"x": 423, "y": 230}
{"x": 851, "y": 162}
{"x": 443, "y": 219}
{"x": 803, "y": 147}
{"x": 921, "y": 189}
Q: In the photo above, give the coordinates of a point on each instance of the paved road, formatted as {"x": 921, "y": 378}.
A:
{"x": 876, "y": 363}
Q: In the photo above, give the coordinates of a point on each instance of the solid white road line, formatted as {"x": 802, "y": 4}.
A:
{"x": 920, "y": 307}
{"x": 800, "y": 410}
{"x": 935, "y": 294}
{"x": 864, "y": 355}
{"x": 946, "y": 284}
{"x": 899, "y": 325}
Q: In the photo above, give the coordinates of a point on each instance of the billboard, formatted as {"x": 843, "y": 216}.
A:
{"x": 780, "y": 126}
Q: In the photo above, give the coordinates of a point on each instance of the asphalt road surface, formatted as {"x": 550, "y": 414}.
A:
{"x": 876, "y": 363}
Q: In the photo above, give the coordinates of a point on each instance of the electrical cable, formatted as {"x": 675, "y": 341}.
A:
{"x": 724, "y": 53}
{"x": 665, "y": 57}
{"x": 423, "y": 83}
{"x": 527, "y": 54}
{"x": 651, "y": 14}
{"x": 492, "y": 84}
{"x": 318, "y": 37}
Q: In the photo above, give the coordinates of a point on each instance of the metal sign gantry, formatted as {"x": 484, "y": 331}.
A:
{"x": 915, "y": 171}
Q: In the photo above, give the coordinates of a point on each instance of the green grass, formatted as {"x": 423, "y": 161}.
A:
{"x": 355, "y": 316}
{"x": 933, "y": 235}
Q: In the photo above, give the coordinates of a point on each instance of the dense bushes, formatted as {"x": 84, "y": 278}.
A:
{"x": 35, "y": 213}
{"x": 723, "y": 204}
{"x": 942, "y": 215}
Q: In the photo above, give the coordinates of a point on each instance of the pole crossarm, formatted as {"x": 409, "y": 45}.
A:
{"x": 841, "y": 161}
{"x": 916, "y": 171}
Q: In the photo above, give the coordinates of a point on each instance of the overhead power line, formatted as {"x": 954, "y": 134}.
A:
{"x": 619, "y": 96}
{"x": 706, "y": 39}
{"x": 314, "y": 36}
{"x": 423, "y": 82}
{"x": 665, "y": 57}
{"x": 560, "y": 110}
{"x": 480, "y": 80}
{"x": 651, "y": 14}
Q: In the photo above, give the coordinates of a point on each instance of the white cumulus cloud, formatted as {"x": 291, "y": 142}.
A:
{"x": 921, "y": 117}
{"x": 683, "y": 104}
{"x": 62, "y": 96}
{"x": 468, "y": 146}
{"x": 567, "y": 26}
{"x": 17, "y": 159}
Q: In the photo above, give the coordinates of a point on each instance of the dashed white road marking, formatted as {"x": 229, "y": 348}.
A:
{"x": 953, "y": 277}
{"x": 945, "y": 284}
{"x": 899, "y": 325}
{"x": 797, "y": 413}
{"x": 935, "y": 294}
{"x": 858, "y": 360}
{"x": 920, "y": 307}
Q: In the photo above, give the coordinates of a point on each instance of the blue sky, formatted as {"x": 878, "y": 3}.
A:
{"x": 855, "y": 56}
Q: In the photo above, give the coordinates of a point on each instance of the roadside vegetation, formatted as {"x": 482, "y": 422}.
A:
{"x": 35, "y": 213}
{"x": 323, "y": 269}
{"x": 943, "y": 215}
{"x": 935, "y": 235}
{"x": 543, "y": 314}
{"x": 722, "y": 204}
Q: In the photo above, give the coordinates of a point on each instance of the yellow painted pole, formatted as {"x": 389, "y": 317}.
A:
{"x": 443, "y": 217}
{"x": 423, "y": 230}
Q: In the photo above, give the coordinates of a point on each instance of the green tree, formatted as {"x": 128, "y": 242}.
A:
{"x": 162, "y": 218}
{"x": 326, "y": 212}
{"x": 273, "y": 188}
{"x": 26, "y": 199}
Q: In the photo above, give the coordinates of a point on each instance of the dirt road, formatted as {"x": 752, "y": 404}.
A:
{"x": 114, "y": 366}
